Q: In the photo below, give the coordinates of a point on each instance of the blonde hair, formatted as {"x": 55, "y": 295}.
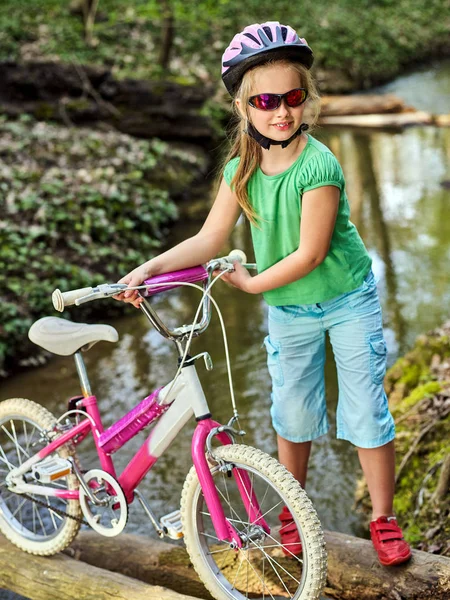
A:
{"x": 245, "y": 146}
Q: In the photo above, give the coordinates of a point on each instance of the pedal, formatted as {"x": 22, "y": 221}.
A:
{"x": 171, "y": 525}
{"x": 50, "y": 469}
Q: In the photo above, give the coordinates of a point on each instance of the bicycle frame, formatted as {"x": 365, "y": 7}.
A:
{"x": 185, "y": 399}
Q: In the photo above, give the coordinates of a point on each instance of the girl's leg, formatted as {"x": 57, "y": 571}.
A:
{"x": 294, "y": 456}
{"x": 363, "y": 418}
{"x": 378, "y": 465}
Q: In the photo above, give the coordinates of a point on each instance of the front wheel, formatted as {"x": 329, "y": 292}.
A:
{"x": 261, "y": 568}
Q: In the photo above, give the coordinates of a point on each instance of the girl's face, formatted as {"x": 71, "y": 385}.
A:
{"x": 281, "y": 123}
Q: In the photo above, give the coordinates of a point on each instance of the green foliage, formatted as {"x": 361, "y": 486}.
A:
{"x": 426, "y": 390}
{"x": 417, "y": 394}
{"x": 414, "y": 368}
{"x": 369, "y": 44}
{"x": 78, "y": 207}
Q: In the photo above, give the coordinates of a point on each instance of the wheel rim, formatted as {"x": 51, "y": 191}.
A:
{"x": 20, "y": 439}
{"x": 260, "y": 568}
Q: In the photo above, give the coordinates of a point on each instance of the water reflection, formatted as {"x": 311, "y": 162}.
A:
{"x": 401, "y": 210}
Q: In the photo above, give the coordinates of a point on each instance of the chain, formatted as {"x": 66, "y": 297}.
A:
{"x": 57, "y": 511}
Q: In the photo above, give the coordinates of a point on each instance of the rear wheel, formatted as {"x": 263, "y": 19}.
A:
{"x": 37, "y": 524}
{"x": 261, "y": 568}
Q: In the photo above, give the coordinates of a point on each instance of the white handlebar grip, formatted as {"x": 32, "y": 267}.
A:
{"x": 237, "y": 255}
{"x": 62, "y": 299}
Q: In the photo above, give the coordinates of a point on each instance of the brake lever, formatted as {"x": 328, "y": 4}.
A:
{"x": 103, "y": 290}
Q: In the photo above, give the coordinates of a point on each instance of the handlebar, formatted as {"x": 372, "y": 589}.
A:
{"x": 161, "y": 283}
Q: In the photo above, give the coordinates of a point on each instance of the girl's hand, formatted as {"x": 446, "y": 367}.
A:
{"x": 135, "y": 277}
{"x": 240, "y": 278}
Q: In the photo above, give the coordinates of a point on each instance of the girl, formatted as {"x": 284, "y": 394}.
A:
{"x": 313, "y": 270}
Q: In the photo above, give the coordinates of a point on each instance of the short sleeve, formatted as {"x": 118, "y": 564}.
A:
{"x": 230, "y": 169}
{"x": 322, "y": 169}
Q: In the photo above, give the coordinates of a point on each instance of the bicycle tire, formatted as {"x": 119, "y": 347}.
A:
{"x": 217, "y": 572}
{"x": 24, "y": 522}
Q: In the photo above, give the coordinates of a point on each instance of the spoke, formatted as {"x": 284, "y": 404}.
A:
{"x": 15, "y": 441}
{"x": 50, "y": 511}
{"x": 279, "y": 545}
{"x": 57, "y": 515}
{"x": 18, "y": 509}
{"x": 271, "y": 558}
{"x": 210, "y": 536}
{"x": 8, "y": 495}
{"x": 5, "y": 460}
{"x": 218, "y": 551}
{"x": 25, "y": 433}
{"x": 40, "y": 521}
{"x": 264, "y": 497}
{"x": 238, "y": 518}
{"x": 34, "y": 518}
{"x": 225, "y": 557}
{"x": 237, "y": 573}
{"x": 30, "y": 437}
{"x": 271, "y": 561}
{"x": 259, "y": 577}
{"x": 248, "y": 562}
{"x": 271, "y": 509}
{"x": 226, "y": 550}
{"x": 228, "y": 495}
{"x": 249, "y": 497}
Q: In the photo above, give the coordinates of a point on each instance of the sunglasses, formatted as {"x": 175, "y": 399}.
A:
{"x": 272, "y": 101}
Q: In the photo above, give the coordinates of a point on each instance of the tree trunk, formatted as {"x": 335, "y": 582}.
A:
{"x": 355, "y": 574}
{"x": 89, "y": 12}
{"x": 62, "y": 578}
{"x": 167, "y": 34}
{"x": 132, "y": 562}
{"x": 353, "y": 569}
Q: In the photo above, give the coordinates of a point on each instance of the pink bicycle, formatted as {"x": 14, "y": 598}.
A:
{"x": 232, "y": 495}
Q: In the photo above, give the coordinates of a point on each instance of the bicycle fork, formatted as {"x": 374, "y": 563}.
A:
{"x": 225, "y": 530}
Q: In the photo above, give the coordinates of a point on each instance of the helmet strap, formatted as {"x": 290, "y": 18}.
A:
{"x": 266, "y": 142}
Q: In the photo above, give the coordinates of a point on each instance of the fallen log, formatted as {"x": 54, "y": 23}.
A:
{"x": 361, "y": 104}
{"x": 62, "y": 578}
{"x": 388, "y": 120}
{"x": 355, "y": 573}
{"x": 125, "y": 567}
{"x": 353, "y": 569}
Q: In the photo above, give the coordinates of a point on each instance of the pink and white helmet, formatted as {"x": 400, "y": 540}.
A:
{"x": 257, "y": 44}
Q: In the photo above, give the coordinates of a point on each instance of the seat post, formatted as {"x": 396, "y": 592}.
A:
{"x": 82, "y": 374}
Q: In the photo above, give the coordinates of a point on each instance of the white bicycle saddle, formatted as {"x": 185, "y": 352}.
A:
{"x": 65, "y": 337}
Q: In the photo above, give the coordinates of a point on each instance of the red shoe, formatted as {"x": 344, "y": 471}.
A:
{"x": 387, "y": 538}
{"x": 290, "y": 537}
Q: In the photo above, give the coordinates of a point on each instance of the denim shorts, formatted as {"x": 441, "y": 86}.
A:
{"x": 296, "y": 358}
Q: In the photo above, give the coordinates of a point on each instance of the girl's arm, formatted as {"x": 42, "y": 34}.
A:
{"x": 196, "y": 250}
{"x": 319, "y": 210}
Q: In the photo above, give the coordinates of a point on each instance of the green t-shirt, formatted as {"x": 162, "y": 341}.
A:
{"x": 278, "y": 200}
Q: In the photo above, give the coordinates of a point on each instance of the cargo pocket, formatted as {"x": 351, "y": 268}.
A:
{"x": 273, "y": 361}
{"x": 378, "y": 356}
